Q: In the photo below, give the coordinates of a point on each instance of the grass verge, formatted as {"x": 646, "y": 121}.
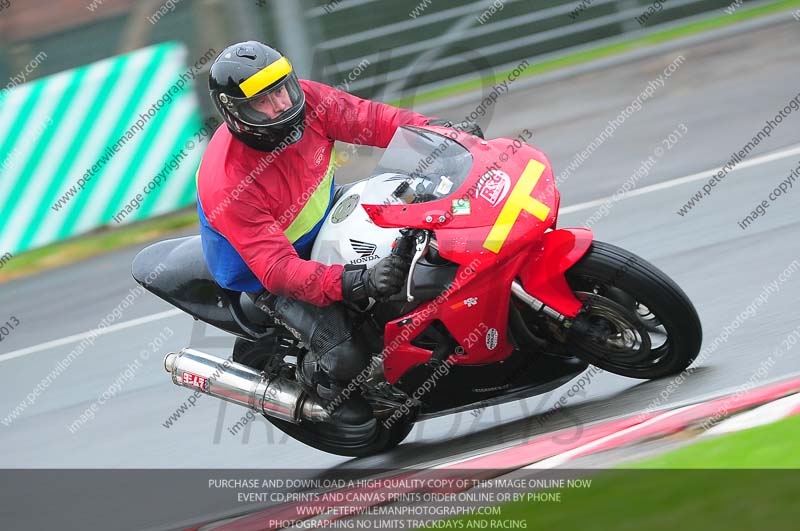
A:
{"x": 746, "y": 480}
{"x": 102, "y": 241}
{"x": 770, "y": 446}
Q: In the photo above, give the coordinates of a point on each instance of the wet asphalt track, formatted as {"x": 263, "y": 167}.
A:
{"x": 723, "y": 93}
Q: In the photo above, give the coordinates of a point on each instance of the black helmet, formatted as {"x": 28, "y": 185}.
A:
{"x": 258, "y": 95}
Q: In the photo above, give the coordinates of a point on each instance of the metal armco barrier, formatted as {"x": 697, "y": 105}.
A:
{"x": 424, "y": 44}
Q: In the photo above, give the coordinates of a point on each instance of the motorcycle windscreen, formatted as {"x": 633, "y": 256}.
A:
{"x": 502, "y": 197}
{"x": 418, "y": 166}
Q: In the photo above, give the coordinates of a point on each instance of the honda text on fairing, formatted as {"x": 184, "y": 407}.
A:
{"x": 499, "y": 304}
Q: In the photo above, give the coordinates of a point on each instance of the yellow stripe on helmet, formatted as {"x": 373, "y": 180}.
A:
{"x": 265, "y": 77}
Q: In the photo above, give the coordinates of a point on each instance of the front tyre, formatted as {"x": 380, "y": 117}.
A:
{"x": 636, "y": 321}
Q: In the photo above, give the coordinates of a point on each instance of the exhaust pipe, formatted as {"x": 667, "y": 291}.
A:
{"x": 279, "y": 398}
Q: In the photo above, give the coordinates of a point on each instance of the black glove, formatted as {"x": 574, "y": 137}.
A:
{"x": 380, "y": 281}
{"x": 466, "y": 126}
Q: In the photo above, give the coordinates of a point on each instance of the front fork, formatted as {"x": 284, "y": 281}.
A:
{"x": 519, "y": 292}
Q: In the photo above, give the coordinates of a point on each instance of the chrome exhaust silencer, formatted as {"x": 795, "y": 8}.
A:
{"x": 279, "y": 398}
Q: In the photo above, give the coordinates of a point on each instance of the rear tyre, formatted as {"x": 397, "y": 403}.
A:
{"x": 254, "y": 354}
{"x": 346, "y": 440}
{"x": 641, "y": 324}
{"x": 328, "y": 438}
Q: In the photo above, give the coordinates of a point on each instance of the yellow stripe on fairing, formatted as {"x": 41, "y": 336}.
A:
{"x": 520, "y": 199}
{"x": 314, "y": 210}
{"x": 265, "y": 77}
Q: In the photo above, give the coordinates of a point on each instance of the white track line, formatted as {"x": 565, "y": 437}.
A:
{"x": 763, "y": 159}
{"x": 560, "y": 459}
{"x": 766, "y": 414}
{"x": 679, "y": 404}
{"x": 80, "y": 337}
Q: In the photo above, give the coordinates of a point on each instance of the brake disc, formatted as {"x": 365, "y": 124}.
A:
{"x": 611, "y": 330}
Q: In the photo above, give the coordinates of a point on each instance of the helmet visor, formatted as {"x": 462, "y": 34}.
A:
{"x": 272, "y": 106}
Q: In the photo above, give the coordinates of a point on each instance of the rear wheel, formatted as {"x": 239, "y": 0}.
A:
{"x": 636, "y": 321}
{"x": 254, "y": 354}
{"x": 351, "y": 441}
{"x": 332, "y": 439}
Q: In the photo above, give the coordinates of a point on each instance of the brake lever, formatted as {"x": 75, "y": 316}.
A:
{"x": 422, "y": 242}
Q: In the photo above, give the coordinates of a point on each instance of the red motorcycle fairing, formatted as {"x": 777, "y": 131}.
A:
{"x": 468, "y": 309}
{"x": 543, "y": 276}
{"x": 494, "y": 224}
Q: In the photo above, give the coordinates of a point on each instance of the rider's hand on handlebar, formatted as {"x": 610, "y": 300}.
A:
{"x": 379, "y": 282}
{"x": 466, "y": 126}
{"x": 404, "y": 246}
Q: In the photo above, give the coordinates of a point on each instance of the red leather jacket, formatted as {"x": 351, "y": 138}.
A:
{"x": 260, "y": 211}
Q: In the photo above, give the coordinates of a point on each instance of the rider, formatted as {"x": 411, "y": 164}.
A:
{"x": 265, "y": 187}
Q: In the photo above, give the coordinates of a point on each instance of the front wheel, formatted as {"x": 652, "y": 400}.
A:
{"x": 636, "y": 321}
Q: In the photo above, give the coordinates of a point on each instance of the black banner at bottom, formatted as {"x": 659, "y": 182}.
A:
{"x": 563, "y": 499}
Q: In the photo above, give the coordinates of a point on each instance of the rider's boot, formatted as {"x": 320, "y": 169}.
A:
{"x": 335, "y": 358}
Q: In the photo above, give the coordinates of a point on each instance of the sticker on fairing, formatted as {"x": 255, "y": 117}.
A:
{"x": 469, "y": 303}
{"x": 445, "y": 185}
{"x": 491, "y": 338}
{"x": 461, "y": 207}
{"x": 493, "y": 186}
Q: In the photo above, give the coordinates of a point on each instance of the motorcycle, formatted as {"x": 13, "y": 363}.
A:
{"x": 499, "y": 303}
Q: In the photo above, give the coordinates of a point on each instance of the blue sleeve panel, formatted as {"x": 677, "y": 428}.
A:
{"x": 227, "y": 266}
